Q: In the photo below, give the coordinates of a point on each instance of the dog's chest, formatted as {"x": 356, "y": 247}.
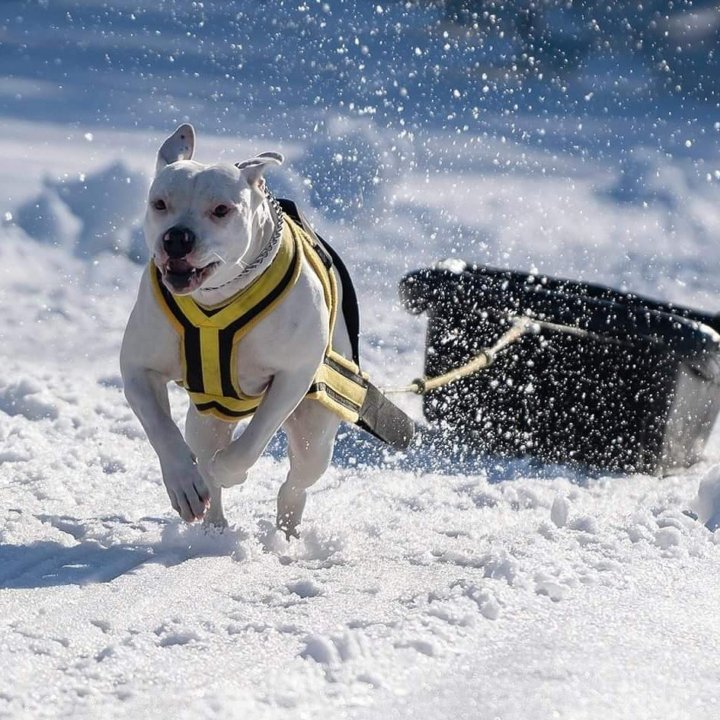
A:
{"x": 295, "y": 334}
{"x": 234, "y": 351}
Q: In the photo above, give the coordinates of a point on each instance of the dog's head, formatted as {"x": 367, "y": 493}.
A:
{"x": 201, "y": 220}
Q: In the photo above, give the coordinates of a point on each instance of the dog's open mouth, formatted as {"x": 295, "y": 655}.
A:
{"x": 181, "y": 277}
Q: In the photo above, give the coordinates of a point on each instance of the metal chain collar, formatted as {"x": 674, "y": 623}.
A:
{"x": 268, "y": 251}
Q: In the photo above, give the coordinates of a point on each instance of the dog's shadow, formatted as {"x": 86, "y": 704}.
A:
{"x": 48, "y": 563}
{"x": 95, "y": 558}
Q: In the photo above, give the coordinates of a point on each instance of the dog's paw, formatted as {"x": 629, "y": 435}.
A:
{"x": 214, "y": 526}
{"x": 189, "y": 495}
{"x": 289, "y": 529}
{"x": 223, "y": 474}
{"x": 290, "y": 533}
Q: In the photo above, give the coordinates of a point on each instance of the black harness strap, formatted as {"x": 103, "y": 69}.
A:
{"x": 191, "y": 340}
{"x": 330, "y": 258}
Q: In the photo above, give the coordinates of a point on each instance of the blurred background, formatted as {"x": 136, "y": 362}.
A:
{"x": 575, "y": 138}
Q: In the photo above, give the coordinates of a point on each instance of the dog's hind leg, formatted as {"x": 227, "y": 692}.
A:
{"x": 310, "y": 430}
{"x": 206, "y": 435}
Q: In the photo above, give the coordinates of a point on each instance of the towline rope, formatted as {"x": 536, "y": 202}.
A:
{"x": 520, "y": 326}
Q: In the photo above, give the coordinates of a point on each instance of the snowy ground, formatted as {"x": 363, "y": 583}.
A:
{"x": 499, "y": 589}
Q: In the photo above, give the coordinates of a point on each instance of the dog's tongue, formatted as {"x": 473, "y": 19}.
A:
{"x": 179, "y": 266}
{"x": 179, "y": 274}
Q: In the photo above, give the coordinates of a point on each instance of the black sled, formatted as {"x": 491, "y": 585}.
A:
{"x": 636, "y": 388}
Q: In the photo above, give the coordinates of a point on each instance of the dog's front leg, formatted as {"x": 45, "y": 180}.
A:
{"x": 206, "y": 435}
{"x": 146, "y": 392}
{"x": 230, "y": 466}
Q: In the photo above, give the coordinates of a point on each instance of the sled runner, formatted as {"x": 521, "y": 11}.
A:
{"x": 589, "y": 374}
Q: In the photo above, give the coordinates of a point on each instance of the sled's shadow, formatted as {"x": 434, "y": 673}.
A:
{"x": 433, "y": 452}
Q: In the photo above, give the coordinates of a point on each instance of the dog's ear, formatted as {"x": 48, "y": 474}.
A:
{"x": 252, "y": 170}
{"x": 179, "y": 146}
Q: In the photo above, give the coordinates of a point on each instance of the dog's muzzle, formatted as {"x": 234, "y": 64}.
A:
{"x": 179, "y": 273}
{"x": 178, "y": 242}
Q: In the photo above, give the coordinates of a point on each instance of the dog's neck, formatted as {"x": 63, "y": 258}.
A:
{"x": 264, "y": 244}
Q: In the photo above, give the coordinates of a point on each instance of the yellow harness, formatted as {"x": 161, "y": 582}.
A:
{"x": 209, "y": 335}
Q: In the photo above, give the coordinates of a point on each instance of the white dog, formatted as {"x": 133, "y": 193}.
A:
{"x": 237, "y": 305}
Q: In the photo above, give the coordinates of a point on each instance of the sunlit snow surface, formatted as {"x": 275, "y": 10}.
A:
{"x": 422, "y": 586}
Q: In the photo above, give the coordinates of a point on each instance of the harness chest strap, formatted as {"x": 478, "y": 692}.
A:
{"x": 209, "y": 336}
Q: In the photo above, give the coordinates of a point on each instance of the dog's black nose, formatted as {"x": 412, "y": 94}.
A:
{"x": 178, "y": 242}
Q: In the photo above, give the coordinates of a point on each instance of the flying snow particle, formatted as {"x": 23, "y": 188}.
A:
{"x": 560, "y": 511}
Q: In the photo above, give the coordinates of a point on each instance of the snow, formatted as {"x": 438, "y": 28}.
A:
{"x": 422, "y": 586}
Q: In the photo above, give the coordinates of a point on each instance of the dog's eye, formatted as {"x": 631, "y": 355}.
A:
{"x": 221, "y": 211}
{"x": 159, "y": 205}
